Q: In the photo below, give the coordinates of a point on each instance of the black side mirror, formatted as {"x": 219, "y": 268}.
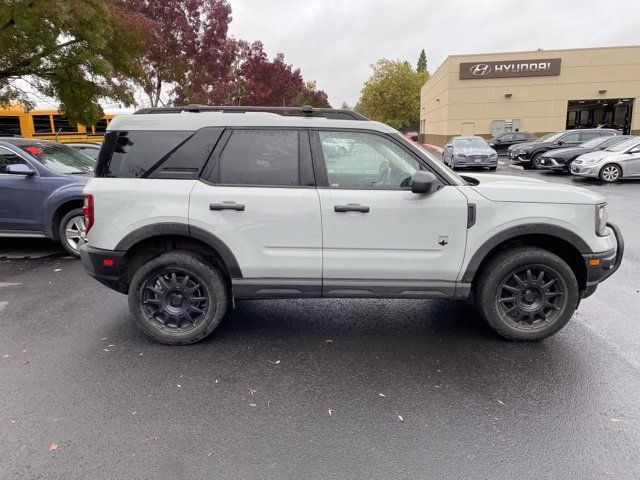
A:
{"x": 424, "y": 182}
{"x": 560, "y": 142}
{"x": 19, "y": 169}
{"x": 491, "y": 144}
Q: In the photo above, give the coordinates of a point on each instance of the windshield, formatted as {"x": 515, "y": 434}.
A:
{"x": 60, "y": 158}
{"x": 471, "y": 142}
{"x": 549, "y": 137}
{"x": 621, "y": 147}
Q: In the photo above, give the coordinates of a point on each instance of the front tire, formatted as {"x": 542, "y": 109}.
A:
{"x": 71, "y": 231}
{"x": 527, "y": 293}
{"x": 610, "y": 173}
{"x": 178, "y": 298}
{"x": 535, "y": 161}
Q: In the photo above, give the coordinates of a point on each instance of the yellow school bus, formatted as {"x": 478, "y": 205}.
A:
{"x": 49, "y": 125}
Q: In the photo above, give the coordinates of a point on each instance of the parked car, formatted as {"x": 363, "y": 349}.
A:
{"x": 189, "y": 214}
{"x": 610, "y": 165}
{"x": 613, "y": 126}
{"x": 469, "y": 152}
{"x": 90, "y": 149}
{"x": 560, "y": 159}
{"x": 528, "y": 154}
{"x": 503, "y": 141}
{"x": 41, "y": 186}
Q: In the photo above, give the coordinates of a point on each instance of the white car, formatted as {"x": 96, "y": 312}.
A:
{"x": 194, "y": 209}
{"x": 612, "y": 164}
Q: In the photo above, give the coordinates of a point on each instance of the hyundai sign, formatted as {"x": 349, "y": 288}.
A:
{"x": 510, "y": 68}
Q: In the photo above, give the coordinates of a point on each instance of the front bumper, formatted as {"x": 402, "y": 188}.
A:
{"x": 106, "y": 266}
{"x": 475, "y": 162}
{"x": 585, "y": 170}
{"x": 553, "y": 164}
{"x": 518, "y": 156}
{"x": 601, "y": 266}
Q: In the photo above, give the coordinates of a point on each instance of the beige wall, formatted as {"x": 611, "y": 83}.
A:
{"x": 450, "y": 106}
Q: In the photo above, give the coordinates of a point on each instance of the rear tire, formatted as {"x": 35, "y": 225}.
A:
{"x": 71, "y": 231}
{"x": 177, "y": 298}
{"x": 610, "y": 173}
{"x": 526, "y": 293}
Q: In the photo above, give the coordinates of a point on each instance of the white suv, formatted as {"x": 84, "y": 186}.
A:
{"x": 193, "y": 208}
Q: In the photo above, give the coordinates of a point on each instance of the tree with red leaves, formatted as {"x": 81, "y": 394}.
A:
{"x": 187, "y": 46}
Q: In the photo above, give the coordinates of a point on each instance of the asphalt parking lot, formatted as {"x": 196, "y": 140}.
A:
{"x": 311, "y": 389}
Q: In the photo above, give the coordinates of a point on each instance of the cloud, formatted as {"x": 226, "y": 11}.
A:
{"x": 335, "y": 42}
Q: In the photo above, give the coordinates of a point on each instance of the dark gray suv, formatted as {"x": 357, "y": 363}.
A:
{"x": 528, "y": 154}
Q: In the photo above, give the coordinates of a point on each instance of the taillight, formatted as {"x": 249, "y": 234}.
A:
{"x": 87, "y": 212}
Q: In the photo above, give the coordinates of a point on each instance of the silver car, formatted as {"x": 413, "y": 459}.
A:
{"x": 469, "y": 152}
{"x": 612, "y": 164}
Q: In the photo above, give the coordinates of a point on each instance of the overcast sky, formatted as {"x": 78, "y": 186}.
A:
{"x": 335, "y": 41}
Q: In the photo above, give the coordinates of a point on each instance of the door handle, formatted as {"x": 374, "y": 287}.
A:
{"x": 351, "y": 207}
{"x": 238, "y": 207}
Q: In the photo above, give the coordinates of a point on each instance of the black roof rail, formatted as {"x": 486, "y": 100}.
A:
{"x": 306, "y": 111}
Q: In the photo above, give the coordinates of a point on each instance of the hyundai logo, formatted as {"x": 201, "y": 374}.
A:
{"x": 480, "y": 69}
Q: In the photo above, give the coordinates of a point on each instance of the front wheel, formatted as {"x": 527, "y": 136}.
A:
{"x": 71, "y": 231}
{"x": 177, "y": 298}
{"x": 535, "y": 161}
{"x": 610, "y": 173}
{"x": 527, "y": 293}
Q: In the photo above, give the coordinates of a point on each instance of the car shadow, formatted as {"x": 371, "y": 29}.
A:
{"x": 18, "y": 248}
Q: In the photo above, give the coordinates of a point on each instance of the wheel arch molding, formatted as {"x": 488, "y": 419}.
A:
{"x": 534, "y": 234}
{"x": 185, "y": 231}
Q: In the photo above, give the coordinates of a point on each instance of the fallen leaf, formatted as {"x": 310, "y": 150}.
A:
{"x": 133, "y": 413}
{"x": 328, "y": 341}
{"x": 12, "y": 421}
{"x": 106, "y": 350}
{"x": 274, "y": 363}
{"x": 26, "y": 362}
{"x": 58, "y": 270}
{"x": 53, "y": 446}
{"x": 382, "y": 394}
{"x": 150, "y": 439}
{"x": 268, "y": 403}
{"x": 210, "y": 453}
{"x": 616, "y": 420}
{"x": 252, "y": 392}
{"x": 253, "y": 405}
{"x": 179, "y": 386}
{"x": 331, "y": 412}
{"x": 401, "y": 418}
{"x": 501, "y": 402}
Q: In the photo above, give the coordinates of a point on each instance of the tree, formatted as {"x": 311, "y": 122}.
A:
{"x": 345, "y": 106}
{"x": 392, "y": 94}
{"x": 187, "y": 50}
{"x": 422, "y": 62}
{"x": 77, "y": 51}
{"x": 310, "y": 95}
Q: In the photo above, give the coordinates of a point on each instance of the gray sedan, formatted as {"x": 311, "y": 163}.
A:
{"x": 469, "y": 152}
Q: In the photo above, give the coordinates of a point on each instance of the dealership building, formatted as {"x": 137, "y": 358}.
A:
{"x": 541, "y": 91}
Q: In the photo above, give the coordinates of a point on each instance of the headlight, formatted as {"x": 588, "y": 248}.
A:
{"x": 595, "y": 160}
{"x": 601, "y": 220}
{"x": 493, "y": 155}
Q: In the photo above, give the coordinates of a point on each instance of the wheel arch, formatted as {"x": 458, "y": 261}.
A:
{"x": 151, "y": 241}
{"x": 558, "y": 240}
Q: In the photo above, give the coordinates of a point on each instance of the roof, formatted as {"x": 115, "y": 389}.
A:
{"x": 190, "y": 121}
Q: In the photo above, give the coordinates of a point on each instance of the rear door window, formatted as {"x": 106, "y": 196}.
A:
{"x": 260, "y": 157}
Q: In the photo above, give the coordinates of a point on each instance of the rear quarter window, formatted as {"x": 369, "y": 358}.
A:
{"x": 156, "y": 154}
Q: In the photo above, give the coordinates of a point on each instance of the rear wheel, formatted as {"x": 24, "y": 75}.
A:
{"x": 610, "y": 173}
{"x": 177, "y": 298}
{"x": 71, "y": 231}
{"x": 527, "y": 293}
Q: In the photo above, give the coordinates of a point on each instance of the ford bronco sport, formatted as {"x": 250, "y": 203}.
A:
{"x": 193, "y": 208}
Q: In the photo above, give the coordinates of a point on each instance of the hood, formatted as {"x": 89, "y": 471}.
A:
{"x": 566, "y": 152}
{"x": 521, "y": 145}
{"x": 511, "y": 188}
{"x": 596, "y": 154}
{"x": 475, "y": 151}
